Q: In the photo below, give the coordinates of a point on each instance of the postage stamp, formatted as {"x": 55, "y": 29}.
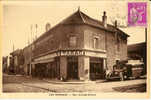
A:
{"x": 137, "y": 14}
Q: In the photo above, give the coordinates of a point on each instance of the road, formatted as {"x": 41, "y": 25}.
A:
{"x": 18, "y": 83}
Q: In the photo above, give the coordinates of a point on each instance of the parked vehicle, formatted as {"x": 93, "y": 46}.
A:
{"x": 124, "y": 70}
{"x": 119, "y": 71}
{"x": 135, "y": 70}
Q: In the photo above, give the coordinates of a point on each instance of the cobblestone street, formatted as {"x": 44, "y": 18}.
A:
{"x": 18, "y": 83}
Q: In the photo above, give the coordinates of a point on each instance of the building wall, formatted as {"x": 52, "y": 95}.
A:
{"x": 46, "y": 44}
{"x": 89, "y": 34}
{"x": 58, "y": 38}
{"x": 27, "y": 58}
{"x": 113, "y": 53}
{"x": 110, "y": 47}
{"x": 69, "y": 30}
{"x": 107, "y": 44}
{"x": 123, "y": 50}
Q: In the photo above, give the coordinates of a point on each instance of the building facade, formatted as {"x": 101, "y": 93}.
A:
{"x": 27, "y": 53}
{"x": 5, "y": 63}
{"x": 79, "y": 47}
{"x": 16, "y": 62}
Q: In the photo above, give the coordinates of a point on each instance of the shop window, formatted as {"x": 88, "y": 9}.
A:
{"x": 72, "y": 41}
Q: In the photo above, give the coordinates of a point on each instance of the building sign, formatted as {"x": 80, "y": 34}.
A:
{"x": 72, "y": 53}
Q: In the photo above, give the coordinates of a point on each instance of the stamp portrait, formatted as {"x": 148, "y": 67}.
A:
{"x": 137, "y": 14}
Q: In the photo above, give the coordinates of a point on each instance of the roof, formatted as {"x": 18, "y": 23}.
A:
{"x": 16, "y": 52}
{"x": 136, "y": 47}
{"x": 80, "y": 18}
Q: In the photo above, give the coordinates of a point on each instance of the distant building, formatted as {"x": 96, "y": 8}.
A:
{"x": 138, "y": 52}
{"x": 5, "y": 63}
{"x": 17, "y": 61}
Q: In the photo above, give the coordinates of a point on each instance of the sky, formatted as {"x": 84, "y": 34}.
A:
{"x": 18, "y": 17}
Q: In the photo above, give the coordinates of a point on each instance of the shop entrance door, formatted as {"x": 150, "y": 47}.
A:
{"x": 96, "y": 68}
{"x": 72, "y": 69}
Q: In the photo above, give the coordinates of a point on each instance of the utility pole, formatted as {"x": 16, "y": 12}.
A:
{"x": 33, "y": 38}
{"x": 31, "y": 29}
{"x": 36, "y": 31}
{"x": 28, "y": 41}
{"x": 13, "y": 48}
{"x": 78, "y": 8}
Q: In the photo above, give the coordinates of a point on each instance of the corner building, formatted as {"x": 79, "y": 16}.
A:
{"x": 79, "y": 48}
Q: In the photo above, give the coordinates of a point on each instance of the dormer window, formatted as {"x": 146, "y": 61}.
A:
{"x": 72, "y": 41}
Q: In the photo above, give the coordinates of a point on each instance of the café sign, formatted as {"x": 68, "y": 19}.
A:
{"x": 72, "y": 53}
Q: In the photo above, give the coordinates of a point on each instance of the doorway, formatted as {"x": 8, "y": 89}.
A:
{"x": 72, "y": 68}
{"x": 96, "y": 68}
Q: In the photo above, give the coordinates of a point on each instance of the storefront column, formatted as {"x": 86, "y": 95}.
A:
{"x": 83, "y": 68}
{"x": 104, "y": 64}
{"x": 63, "y": 68}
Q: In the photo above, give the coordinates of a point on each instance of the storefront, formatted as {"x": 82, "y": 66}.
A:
{"x": 69, "y": 65}
{"x": 46, "y": 69}
{"x": 96, "y": 68}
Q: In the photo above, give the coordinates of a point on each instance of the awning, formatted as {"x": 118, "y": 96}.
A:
{"x": 44, "y": 61}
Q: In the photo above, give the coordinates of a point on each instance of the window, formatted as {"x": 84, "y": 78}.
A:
{"x": 95, "y": 42}
{"x": 72, "y": 41}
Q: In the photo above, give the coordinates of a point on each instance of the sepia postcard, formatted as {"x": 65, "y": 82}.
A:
{"x": 75, "y": 49}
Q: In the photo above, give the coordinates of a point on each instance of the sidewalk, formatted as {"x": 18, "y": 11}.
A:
{"x": 73, "y": 81}
{"x": 13, "y": 83}
{"x": 91, "y": 87}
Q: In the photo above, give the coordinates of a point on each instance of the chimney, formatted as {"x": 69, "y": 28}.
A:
{"x": 115, "y": 23}
{"x": 48, "y": 27}
{"x": 104, "y": 19}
